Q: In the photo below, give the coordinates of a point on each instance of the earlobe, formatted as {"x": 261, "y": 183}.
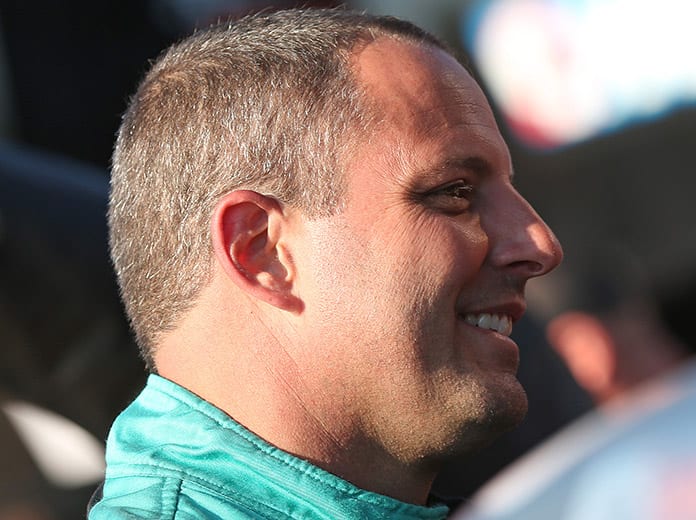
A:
{"x": 246, "y": 231}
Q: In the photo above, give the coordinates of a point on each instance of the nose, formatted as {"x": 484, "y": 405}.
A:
{"x": 521, "y": 241}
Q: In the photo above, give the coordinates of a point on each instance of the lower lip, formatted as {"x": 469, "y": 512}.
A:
{"x": 503, "y": 341}
{"x": 463, "y": 321}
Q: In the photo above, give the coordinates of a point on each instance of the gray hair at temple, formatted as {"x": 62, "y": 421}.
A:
{"x": 267, "y": 103}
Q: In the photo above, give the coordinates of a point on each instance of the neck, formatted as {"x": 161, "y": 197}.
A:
{"x": 299, "y": 419}
{"x": 384, "y": 476}
{"x": 276, "y": 406}
{"x": 259, "y": 384}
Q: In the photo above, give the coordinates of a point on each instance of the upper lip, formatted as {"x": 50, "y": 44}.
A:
{"x": 512, "y": 308}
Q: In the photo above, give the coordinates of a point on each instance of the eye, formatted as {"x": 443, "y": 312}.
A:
{"x": 452, "y": 198}
{"x": 458, "y": 190}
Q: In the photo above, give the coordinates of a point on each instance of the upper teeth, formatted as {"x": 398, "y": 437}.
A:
{"x": 500, "y": 323}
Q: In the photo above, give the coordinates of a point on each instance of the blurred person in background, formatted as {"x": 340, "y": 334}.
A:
{"x": 631, "y": 345}
{"x": 322, "y": 255}
{"x": 612, "y": 334}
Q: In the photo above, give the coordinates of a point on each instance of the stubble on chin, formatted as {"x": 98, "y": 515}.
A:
{"x": 481, "y": 414}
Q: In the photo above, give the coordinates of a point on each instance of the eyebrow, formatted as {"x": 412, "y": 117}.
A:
{"x": 475, "y": 164}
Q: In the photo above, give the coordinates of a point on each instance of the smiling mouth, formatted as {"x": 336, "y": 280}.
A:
{"x": 500, "y": 323}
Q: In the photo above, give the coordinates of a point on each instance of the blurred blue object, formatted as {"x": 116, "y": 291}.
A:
{"x": 45, "y": 195}
{"x": 634, "y": 459}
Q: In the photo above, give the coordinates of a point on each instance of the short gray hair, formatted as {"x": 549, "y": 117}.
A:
{"x": 267, "y": 103}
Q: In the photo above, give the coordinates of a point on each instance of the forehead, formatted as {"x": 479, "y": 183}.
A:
{"x": 428, "y": 104}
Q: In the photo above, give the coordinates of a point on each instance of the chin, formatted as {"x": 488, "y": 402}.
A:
{"x": 507, "y": 406}
{"x": 499, "y": 411}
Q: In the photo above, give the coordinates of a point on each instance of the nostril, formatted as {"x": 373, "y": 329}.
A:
{"x": 537, "y": 268}
{"x": 530, "y": 268}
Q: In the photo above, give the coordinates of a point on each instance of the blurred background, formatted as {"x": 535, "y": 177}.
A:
{"x": 597, "y": 100}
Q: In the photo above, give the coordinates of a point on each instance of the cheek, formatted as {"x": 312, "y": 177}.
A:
{"x": 441, "y": 250}
{"x": 341, "y": 276}
{"x": 407, "y": 268}
{"x": 424, "y": 267}
{"x": 471, "y": 244}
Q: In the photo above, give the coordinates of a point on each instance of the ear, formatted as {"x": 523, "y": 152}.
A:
{"x": 247, "y": 235}
{"x": 588, "y": 350}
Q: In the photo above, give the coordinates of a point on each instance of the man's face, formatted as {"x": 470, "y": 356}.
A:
{"x": 410, "y": 292}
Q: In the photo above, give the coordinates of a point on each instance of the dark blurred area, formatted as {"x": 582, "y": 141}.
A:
{"x": 67, "y": 347}
{"x": 71, "y": 350}
{"x": 66, "y": 72}
{"x": 72, "y": 65}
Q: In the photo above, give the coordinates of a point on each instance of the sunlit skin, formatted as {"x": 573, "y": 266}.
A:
{"x": 344, "y": 339}
{"x": 432, "y": 229}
